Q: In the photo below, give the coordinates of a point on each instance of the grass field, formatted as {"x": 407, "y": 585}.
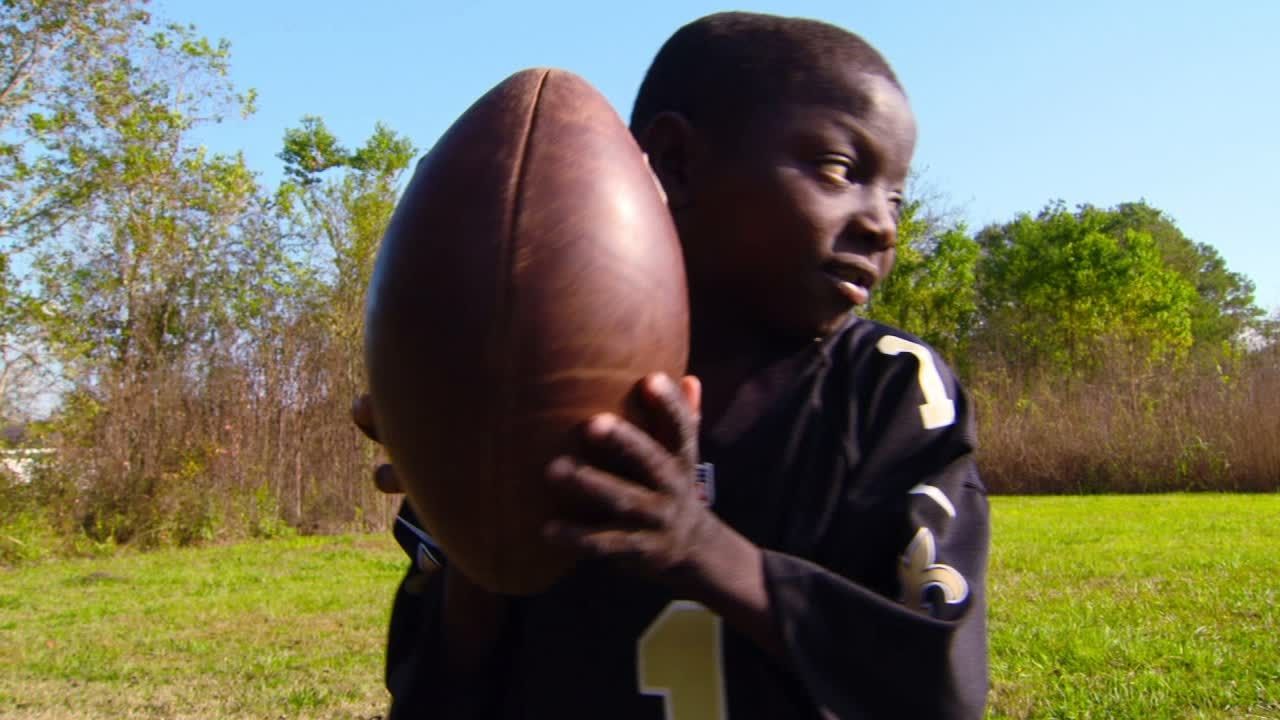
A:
{"x": 1102, "y": 607}
{"x": 284, "y": 628}
{"x": 1139, "y": 606}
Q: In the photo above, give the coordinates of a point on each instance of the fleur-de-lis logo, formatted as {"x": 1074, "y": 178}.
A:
{"x": 925, "y": 581}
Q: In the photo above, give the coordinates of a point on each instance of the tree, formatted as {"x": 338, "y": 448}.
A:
{"x": 146, "y": 271}
{"x": 338, "y": 202}
{"x": 931, "y": 291}
{"x": 148, "y": 261}
{"x": 53, "y": 52}
{"x": 1057, "y": 288}
{"x": 116, "y": 220}
{"x": 1225, "y": 307}
{"x": 207, "y": 334}
{"x": 341, "y": 201}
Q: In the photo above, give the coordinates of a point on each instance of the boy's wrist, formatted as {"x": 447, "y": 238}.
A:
{"x": 725, "y": 573}
{"x": 719, "y": 566}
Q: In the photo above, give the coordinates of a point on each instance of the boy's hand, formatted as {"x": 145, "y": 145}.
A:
{"x": 384, "y": 477}
{"x": 633, "y": 488}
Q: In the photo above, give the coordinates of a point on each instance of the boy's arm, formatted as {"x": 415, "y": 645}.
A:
{"x": 916, "y": 650}
{"x": 647, "y": 515}
{"x": 892, "y": 622}
{"x": 890, "y": 618}
{"x": 919, "y": 651}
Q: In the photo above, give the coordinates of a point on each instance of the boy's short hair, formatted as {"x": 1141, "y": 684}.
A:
{"x": 719, "y": 68}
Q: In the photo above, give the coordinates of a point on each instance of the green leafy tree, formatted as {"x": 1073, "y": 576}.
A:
{"x": 931, "y": 291}
{"x": 53, "y": 53}
{"x": 147, "y": 270}
{"x": 337, "y": 202}
{"x": 340, "y": 201}
{"x": 148, "y": 286}
{"x": 1225, "y": 307}
{"x": 124, "y": 230}
{"x": 206, "y": 333}
{"x": 1057, "y": 289}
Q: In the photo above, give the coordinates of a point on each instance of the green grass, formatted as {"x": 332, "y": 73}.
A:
{"x": 282, "y": 628}
{"x": 1157, "y": 606}
{"x": 1101, "y": 607}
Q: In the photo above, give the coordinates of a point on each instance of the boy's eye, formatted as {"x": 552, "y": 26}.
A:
{"x": 835, "y": 168}
{"x": 895, "y": 205}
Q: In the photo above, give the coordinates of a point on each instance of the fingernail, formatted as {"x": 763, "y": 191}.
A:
{"x": 561, "y": 467}
{"x": 601, "y": 424}
{"x": 659, "y": 382}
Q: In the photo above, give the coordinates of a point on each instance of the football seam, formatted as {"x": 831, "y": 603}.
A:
{"x": 504, "y": 338}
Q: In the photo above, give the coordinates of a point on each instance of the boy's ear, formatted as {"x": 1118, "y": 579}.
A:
{"x": 670, "y": 143}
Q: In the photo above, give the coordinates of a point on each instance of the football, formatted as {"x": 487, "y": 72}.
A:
{"x": 530, "y": 276}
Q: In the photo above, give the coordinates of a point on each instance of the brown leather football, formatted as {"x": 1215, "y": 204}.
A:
{"x": 531, "y": 275}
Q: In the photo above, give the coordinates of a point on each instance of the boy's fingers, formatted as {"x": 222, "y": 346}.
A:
{"x": 603, "y": 495}
{"x": 362, "y": 415}
{"x": 384, "y": 476}
{"x": 672, "y": 417}
{"x": 691, "y": 387}
{"x": 624, "y": 449}
{"x": 386, "y": 480}
{"x": 600, "y": 542}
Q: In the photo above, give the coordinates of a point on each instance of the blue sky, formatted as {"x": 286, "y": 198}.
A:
{"x": 1019, "y": 103}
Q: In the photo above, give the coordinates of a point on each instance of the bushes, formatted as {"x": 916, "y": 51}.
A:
{"x": 1132, "y": 429}
{"x": 189, "y": 454}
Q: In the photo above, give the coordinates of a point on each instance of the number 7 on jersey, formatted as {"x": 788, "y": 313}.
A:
{"x": 938, "y": 410}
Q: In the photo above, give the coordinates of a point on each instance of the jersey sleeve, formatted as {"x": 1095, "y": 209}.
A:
{"x": 416, "y": 676}
{"x": 889, "y": 618}
{"x": 413, "y": 638}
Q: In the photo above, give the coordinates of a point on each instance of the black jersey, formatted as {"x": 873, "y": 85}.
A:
{"x": 850, "y": 464}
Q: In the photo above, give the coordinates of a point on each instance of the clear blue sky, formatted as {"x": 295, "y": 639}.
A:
{"x": 1018, "y": 102}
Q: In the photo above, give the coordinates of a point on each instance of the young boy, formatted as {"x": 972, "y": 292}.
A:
{"x": 836, "y": 565}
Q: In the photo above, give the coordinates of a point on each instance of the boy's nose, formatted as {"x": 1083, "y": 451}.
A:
{"x": 871, "y": 225}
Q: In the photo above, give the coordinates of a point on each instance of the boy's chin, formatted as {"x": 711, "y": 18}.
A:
{"x": 826, "y": 326}
{"x": 818, "y": 321}
{"x": 834, "y": 324}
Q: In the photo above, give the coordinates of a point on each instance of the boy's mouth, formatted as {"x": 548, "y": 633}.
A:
{"x": 856, "y": 294}
{"x": 854, "y": 278}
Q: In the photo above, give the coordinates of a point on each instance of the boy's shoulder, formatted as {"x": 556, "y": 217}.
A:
{"x": 868, "y": 346}
{"x": 893, "y": 385}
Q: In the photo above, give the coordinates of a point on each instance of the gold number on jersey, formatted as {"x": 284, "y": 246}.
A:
{"x": 938, "y": 410}
{"x": 678, "y": 658}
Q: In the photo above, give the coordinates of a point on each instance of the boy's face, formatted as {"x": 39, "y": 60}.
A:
{"x": 795, "y": 222}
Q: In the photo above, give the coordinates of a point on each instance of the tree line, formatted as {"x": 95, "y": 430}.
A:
{"x": 189, "y": 340}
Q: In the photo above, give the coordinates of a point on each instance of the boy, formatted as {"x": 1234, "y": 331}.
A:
{"x": 836, "y": 566}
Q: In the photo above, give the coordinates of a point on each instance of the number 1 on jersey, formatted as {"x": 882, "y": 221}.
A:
{"x": 938, "y": 410}
{"x": 678, "y": 659}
